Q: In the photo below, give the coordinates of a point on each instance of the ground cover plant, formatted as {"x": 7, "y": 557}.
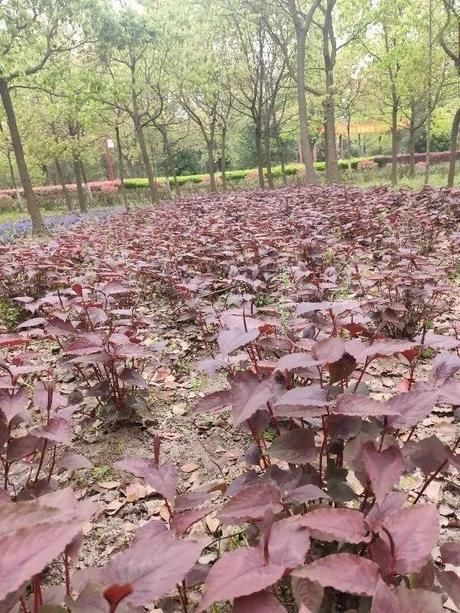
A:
{"x": 328, "y": 319}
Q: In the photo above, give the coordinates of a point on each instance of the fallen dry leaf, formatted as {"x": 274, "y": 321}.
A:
{"x": 109, "y": 485}
{"x": 114, "y": 506}
{"x": 189, "y": 468}
{"x": 137, "y": 491}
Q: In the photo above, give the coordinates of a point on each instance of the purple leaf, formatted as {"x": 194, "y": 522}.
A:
{"x": 248, "y": 396}
{"x": 13, "y": 403}
{"x": 59, "y": 327}
{"x": 383, "y": 468}
{"x": 47, "y": 397}
{"x": 328, "y": 524}
{"x": 387, "y": 347}
{"x": 252, "y": 503}
{"x": 130, "y": 376}
{"x": 428, "y": 454}
{"x": 151, "y": 566}
{"x": 31, "y": 323}
{"x": 302, "y": 401}
{"x": 296, "y": 447}
{"x": 90, "y": 600}
{"x": 33, "y": 533}
{"x": 230, "y": 340}
{"x": 58, "y": 430}
{"x": 384, "y": 600}
{"x": 335, "y": 307}
{"x": 22, "y": 446}
{"x": 192, "y": 500}
{"x": 392, "y": 502}
{"x": 85, "y": 344}
{"x": 288, "y": 543}
{"x": 74, "y": 461}
{"x": 414, "y": 533}
{"x": 242, "y": 482}
{"x": 416, "y": 600}
{"x": 181, "y": 522}
{"x": 113, "y": 287}
{"x": 444, "y": 366}
{"x": 100, "y": 357}
{"x": 439, "y": 341}
{"x": 449, "y": 393}
{"x": 294, "y": 361}
{"x": 238, "y": 573}
{"x": 132, "y": 350}
{"x": 261, "y": 602}
{"x": 214, "y": 403}
{"x": 162, "y": 478}
{"x": 450, "y": 582}
{"x": 12, "y": 340}
{"x": 97, "y": 315}
{"x": 411, "y": 407}
{"x": 362, "y": 406}
{"x": 344, "y": 572}
{"x": 308, "y": 594}
{"x": 328, "y": 351}
{"x": 304, "y": 493}
{"x": 450, "y": 553}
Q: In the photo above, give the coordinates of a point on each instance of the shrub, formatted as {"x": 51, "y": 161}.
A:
{"x": 367, "y": 165}
{"x": 404, "y": 158}
{"x": 236, "y": 175}
{"x": 252, "y": 177}
{"x": 7, "y": 203}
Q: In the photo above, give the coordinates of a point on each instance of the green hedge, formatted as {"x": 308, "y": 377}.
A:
{"x": 240, "y": 175}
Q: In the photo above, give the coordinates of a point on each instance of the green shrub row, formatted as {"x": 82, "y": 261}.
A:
{"x": 240, "y": 175}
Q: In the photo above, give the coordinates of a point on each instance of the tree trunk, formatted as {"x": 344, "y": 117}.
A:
{"x": 411, "y": 147}
{"x": 394, "y": 144}
{"x": 11, "y": 168}
{"x": 349, "y": 140}
{"x": 211, "y": 164}
{"x": 453, "y": 149}
{"x": 146, "y": 161}
{"x": 279, "y": 144}
{"x": 79, "y": 181}
{"x": 170, "y": 162}
{"x": 332, "y": 163}
{"x": 430, "y": 89}
{"x": 46, "y": 174}
{"x": 268, "y": 160}
{"x": 86, "y": 187}
{"x": 130, "y": 166}
{"x": 167, "y": 154}
{"x": 259, "y": 154}
{"x": 411, "y": 141}
{"x": 305, "y": 144}
{"x": 38, "y": 225}
{"x": 65, "y": 191}
{"x": 10, "y": 162}
{"x": 223, "y": 163}
{"x": 121, "y": 169}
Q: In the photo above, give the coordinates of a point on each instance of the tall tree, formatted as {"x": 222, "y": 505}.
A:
{"x": 33, "y": 33}
{"x": 450, "y": 42}
{"x": 126, "y": 39}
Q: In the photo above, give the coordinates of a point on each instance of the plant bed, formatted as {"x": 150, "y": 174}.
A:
{"x": 261, "y": 385}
